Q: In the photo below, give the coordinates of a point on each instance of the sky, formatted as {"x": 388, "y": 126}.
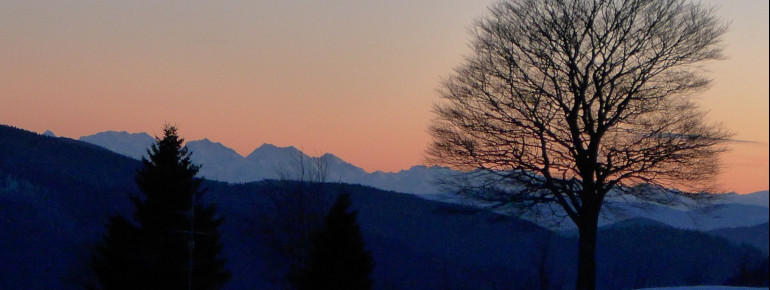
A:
{"x": 354, "y": 78}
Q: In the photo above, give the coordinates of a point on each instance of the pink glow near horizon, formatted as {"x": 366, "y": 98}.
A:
{"x": 356, "y": 80}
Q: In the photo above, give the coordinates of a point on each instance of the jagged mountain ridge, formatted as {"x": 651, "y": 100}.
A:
{"x": 268, "y": 161}
{"x": 273, "y": 162}
{"x": 133, "y": 145}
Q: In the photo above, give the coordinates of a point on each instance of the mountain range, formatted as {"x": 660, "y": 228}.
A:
{"x": 268, "y": 161}
{"x": 57, "y": 193}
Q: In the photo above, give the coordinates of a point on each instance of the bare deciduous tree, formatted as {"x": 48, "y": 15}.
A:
{"x": 564, "y": 102}
{"x": 299, "y": 203}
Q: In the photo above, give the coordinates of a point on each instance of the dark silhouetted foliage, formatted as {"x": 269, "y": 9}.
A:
{"x": 562, "y": 103}
{"x": 752, "y": 274}
{"x": 155, "y": 253}
{"x": 338, "y": 258}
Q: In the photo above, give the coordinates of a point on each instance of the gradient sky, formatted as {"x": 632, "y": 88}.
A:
{"x": 353, "y": 78}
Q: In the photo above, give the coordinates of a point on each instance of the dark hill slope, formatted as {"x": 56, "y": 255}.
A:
{"x": 416, "y": 243}
{"x": 54, "y": 196}
{"x": 56, "y": 193}
{"x": 640, "y": 255}
{"x": 63, "y": 162}
{"x": 756, "y": 236}
{"x": 421, "y": 244}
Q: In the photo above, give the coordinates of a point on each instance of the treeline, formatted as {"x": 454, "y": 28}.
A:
{"x": 173, "y": 240}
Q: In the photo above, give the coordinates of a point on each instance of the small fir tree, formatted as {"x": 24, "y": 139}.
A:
{"x": 175, "y": 241}
{"x": 338, "y": 258}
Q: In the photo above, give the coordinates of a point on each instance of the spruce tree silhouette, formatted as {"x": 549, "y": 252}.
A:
{"x": 175, "y": 241}
{"x": 338, "y": 258}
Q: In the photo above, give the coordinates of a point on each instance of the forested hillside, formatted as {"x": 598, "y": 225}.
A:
{"x": 56, "y": 195}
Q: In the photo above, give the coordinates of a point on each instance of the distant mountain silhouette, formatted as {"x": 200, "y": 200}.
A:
{"x": 271, "y": 162}
{"x": 759, "y": 198}
{"x": 703, "y": 218}
{"x": 55, "y": 195}
{"x": 133, "y": 145}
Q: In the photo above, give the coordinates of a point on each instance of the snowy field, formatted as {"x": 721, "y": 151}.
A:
{"x": 704, "y": 288}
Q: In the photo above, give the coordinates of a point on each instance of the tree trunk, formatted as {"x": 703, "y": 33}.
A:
{"x": 586, "y": 279}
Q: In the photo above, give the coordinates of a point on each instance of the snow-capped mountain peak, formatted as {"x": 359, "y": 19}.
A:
{"x": 48, "y": 133}
{"x": 759, "y": 198}
{"x": 267, "y": 150}
{"x": 133, "y": 145}
{"x": 206, "y": 151}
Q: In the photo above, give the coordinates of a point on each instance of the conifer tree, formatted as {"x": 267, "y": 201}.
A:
{"x": 338, "y": 258}
{"x": 174, "y": 242}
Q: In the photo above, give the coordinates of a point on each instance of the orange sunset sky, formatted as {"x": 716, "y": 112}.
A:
{"x": 353, "y": 78}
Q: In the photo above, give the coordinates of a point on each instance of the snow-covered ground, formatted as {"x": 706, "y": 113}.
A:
{"x": 703, "y": 288}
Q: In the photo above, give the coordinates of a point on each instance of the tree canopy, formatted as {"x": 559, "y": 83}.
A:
{"x": 565, "y": 102}
{"x": 337, "y": 258}
{"x": 174, "y": 242}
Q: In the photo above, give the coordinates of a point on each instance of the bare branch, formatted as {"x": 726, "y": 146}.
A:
{"x": 592, "y": 91}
